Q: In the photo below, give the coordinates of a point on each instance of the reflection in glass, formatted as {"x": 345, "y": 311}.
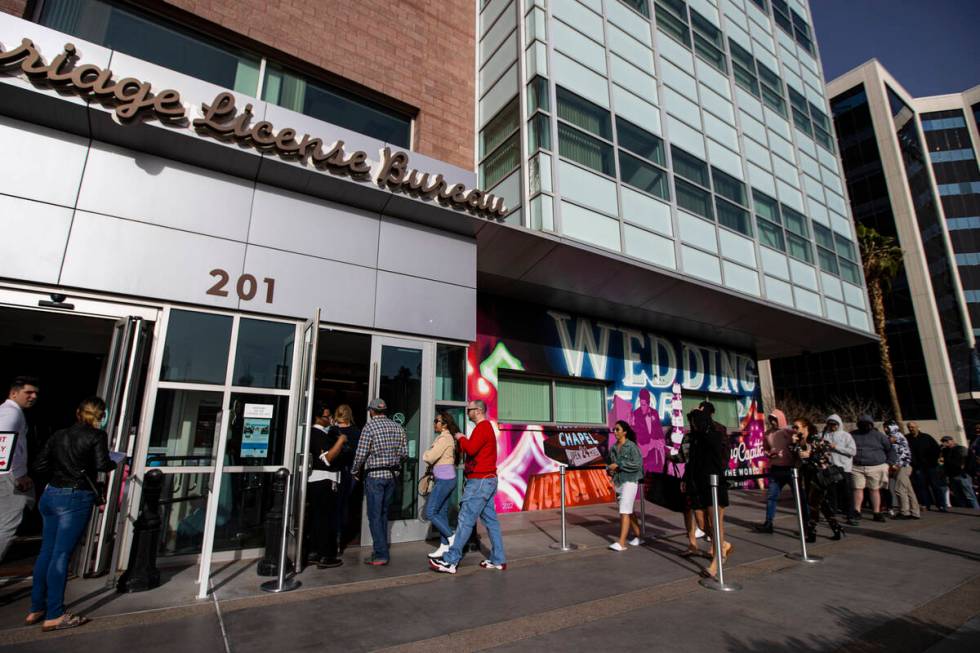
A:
{"x": 184, "y": 427}
{"x": 257, "y": 429}
{"x": 264, "y": 356}
{"x": 451, "y": 373}
{"x": 196, "y": 350}
{"x": 249, "y": 498}
{"x": 183, "y": 507}
{"x": 401, "y": 386}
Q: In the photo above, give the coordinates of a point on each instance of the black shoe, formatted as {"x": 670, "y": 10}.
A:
{"x": 765, "y": 527}
{"x": 328, "y": 563}
{"x": 880, "y": 517}
{"x": 943, "y": 509}
{"x": 811, "y": 537}
{"x": 838, "y": 535}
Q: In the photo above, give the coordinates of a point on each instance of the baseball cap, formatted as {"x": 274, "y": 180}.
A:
{"x": 946, "y": 438}
{"x": 378, "y": 404}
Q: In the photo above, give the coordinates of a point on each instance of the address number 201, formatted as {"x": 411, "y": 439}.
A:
{"x": 247, "y": 286}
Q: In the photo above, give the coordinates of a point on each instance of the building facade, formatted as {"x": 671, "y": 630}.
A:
{"x": 912, "y": 173}
{"x": 577, "y": 211}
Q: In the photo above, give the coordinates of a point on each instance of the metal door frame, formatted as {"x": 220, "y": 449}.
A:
{"x": 304, "y": 420}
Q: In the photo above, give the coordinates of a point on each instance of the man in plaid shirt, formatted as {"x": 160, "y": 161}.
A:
{"x": 380, "y": 451}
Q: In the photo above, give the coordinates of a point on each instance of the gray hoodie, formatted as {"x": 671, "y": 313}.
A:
{"x": 873, "y": 447}
{"x": 844, "y": 447}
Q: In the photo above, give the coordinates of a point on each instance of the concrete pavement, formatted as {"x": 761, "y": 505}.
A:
{"x": 899, "y": 586}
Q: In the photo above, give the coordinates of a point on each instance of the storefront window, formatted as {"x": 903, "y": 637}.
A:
{"x": 184, "y": 426}
{"x": 257, "y": 432}
{"x": 579, "y": 403}
{"x": 196, "y": 350}
{"x": 524, "y": 401}
{"x": 400, "y": 384}
{"x": 450, "y": 373}
{"x": 264, "y": 356}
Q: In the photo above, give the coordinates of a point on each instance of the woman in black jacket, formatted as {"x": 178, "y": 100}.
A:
{"x": 708, "y": 455}
{"x": 73, "y": 457}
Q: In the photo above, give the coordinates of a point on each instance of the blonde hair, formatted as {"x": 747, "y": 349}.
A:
{"x": 343, "y": 414}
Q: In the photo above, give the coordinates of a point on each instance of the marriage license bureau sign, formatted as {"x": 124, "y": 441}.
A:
{"x": 222, "y": 119}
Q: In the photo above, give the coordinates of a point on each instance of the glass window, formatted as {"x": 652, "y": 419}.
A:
{"x": 183, "y": 504}
{"x": 795, "y": 221}
{"x": 582, "y": 113}
{"x": 523, "y": 400}
{"x": 640, "y": 142}
{"x": 766, "y": 206}
{"x": 264, "y": 356}
{"x": 693, "y": 199}
{"x": 824, "y": 138}
{"x": 537, "y": 96}
{"x": 823, "y": 236}
{"x": 845, "y": 247}
{"x": 335, "y": 106}
{"x": 769, "y": 78}
{"x": 733, "y": 217}
{"x": 185, "y": 424}
{"x": 819, "y": 117}
{"x": 504, "y": 159}
{"x": 642, "y": 175}
{"x": 677, "y": 7}
{"x": 244, "y": 503}
{"x": 538, "y": 133}
{"x": 745, "y": 79}
{"x": 500, "y": 127}
{"x": 827, "y": 261}
{"x": 153, "y": 39}
{"x": 196, "y": 350}
{"x": 729, "y": 187}
{"x": 770, "y": 234}
{"x": 741, "y": 56}
{"x": 799, "y": 248}
{"x": 640, "y": 5}
{"x": 704, "y": 27}
{"x": 797, "y": 100}
{"x": 710, "y": 53}
{"x": 450, "y": 373}
{"x": 257, "y": 432}
{"x": 773, "y": 100}
{"x": 802, "y": 122}
{"x": 582, "y": 148}
{"x": 690, "y": 167}
{"x": 673, "y": 26}
{"x": 849, "y": 272}
{"x": 579, "y": 403}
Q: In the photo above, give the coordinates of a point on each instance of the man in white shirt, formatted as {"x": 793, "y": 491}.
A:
{"x": 16, "y": 487}
{"x": 327, "y": 447}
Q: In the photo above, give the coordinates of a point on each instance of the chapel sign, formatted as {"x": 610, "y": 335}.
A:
{"x": 221, "y": 119}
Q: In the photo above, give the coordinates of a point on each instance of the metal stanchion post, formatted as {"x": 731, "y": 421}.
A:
{"x": 643, "y": 509}
{"x": 563, "y": 545}
{"x": 282, "y": 584}
{"x": 802, "y": 556}
{"x": 718, "y": 584}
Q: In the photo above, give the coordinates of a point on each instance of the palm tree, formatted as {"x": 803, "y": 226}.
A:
{"x": 882, "y": 260}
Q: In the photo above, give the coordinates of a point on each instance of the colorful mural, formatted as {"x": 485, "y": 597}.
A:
{"x": 648, "y": 378}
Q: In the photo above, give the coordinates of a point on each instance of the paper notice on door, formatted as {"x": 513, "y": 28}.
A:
{"x": 256, "y": 429}
{"x": 263, "y": 411}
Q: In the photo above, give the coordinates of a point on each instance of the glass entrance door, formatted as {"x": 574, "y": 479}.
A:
{"x": 401, "y": 374}
{"x": 304, "y": 421}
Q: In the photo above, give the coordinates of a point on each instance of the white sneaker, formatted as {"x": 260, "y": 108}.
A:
{"x": 616, "y": 546}
{"x": 451, "y": 538}
{"x": 635, "y": 542}
{"x": 441, "y": 551}
{"x": 698, "y": 533}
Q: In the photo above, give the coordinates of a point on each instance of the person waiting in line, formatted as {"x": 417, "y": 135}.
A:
{"x": 327, "y": 447}
{"x": 904, "y": 504}
{"x": 874, "y": 455}
{"x": 694, "y": 528}
{"x": 479, "y": 494}
{"x": 349, "y": 495}
{"x": 778, "y": 447}
{"x": 380, "y": 452}
{"x": 842, "y": 450}
{"x": 16, "y": 486}
{"x": 626, "y": 468}
{"x": 819, "y": 477}
{"x": 961, "y": 492}
{"x": 72, "y": 457}
{"x": 708, "y": 456}
{"x": 926, "y": 474}
{"x": 442, "y": 455}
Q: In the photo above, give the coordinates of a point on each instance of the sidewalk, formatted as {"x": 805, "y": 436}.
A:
{"x": 914, "y": 585}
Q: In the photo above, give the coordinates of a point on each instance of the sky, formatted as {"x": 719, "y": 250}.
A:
{"x": 932, "y": 47}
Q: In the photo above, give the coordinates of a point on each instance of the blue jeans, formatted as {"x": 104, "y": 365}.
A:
{"x": 379, "y": 492}
{"x": 928, "y": 484}
{"x": 65, "y": 512}
{"x": 478, "y": 501}
{"x": 437, "y": 508}
{"x": 780, "y": 477}
{"x": 961, "y": 492}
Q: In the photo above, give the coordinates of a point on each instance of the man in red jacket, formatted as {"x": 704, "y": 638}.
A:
{"x": 478, "y": 494}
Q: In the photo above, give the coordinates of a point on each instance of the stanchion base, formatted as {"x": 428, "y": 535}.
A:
{"x": 273, "y": 585}
{"x": 808, "y": 559}
{"x": 712, "y": 584}
{"x": 558, "y": 547}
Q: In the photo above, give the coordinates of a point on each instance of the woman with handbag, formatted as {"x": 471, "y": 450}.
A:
{"x": 441, "y": 457}
{"x": 626, "y": 467}
{"x": 708, "y": 456}
{"x": 73, "y": 457}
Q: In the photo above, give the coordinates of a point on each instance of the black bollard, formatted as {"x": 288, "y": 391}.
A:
{"x": 269, "y": 565}
{"x": 142, "y": 573}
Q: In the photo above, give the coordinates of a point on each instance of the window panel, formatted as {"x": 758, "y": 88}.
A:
{"x": 849, "y": 272}
{"x": 795, "y": 221}
{"x": 704, "y": 27}
{"x": 264, "y": 355}
{"x": 643, "y": 176}
{"x": 639, "y": 5}
{"x": 827, "y": 261}
{"x": 741, "y": 55}
{"x": 733, "y": 217}
{"x": 673, "y": 27}
{"x": 845, "y": 247}
{"x": 640, "y": 142}
{"x": 582, "y": 148}
{"x": 745, "y": 79}
{"x": 538, "y": 98}
{"x": 523, "y": 400}
{"x": 196, "y": 350}
{"x": 579, "y": 403}
{"x": 710, "y": 53}
{"x": 450, "y": 373}
{"x": 500, "y": 127}
{"x": 773, "y": 100}
{"x": 504, "y": 159}
{"x": 727, "y": 186}
{"x": 823, "y": 236}
{"x": 766, "y": 206}
{"x": 770, "y": 234}
{"x": 799, "y": 248}
{"x": 689, "y": 167}
{"x": 693, "y": 199}
{"x": 582, "y": 113}
{"x": 539, "y": 132}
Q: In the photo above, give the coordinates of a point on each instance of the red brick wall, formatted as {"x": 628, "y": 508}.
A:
{"x": 417, "y": 51}
{"x": 15, "y": 7}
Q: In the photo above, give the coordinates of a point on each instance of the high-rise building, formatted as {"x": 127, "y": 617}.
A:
{"x": 912, "y": 174}
{"x": 579, "y": 212}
